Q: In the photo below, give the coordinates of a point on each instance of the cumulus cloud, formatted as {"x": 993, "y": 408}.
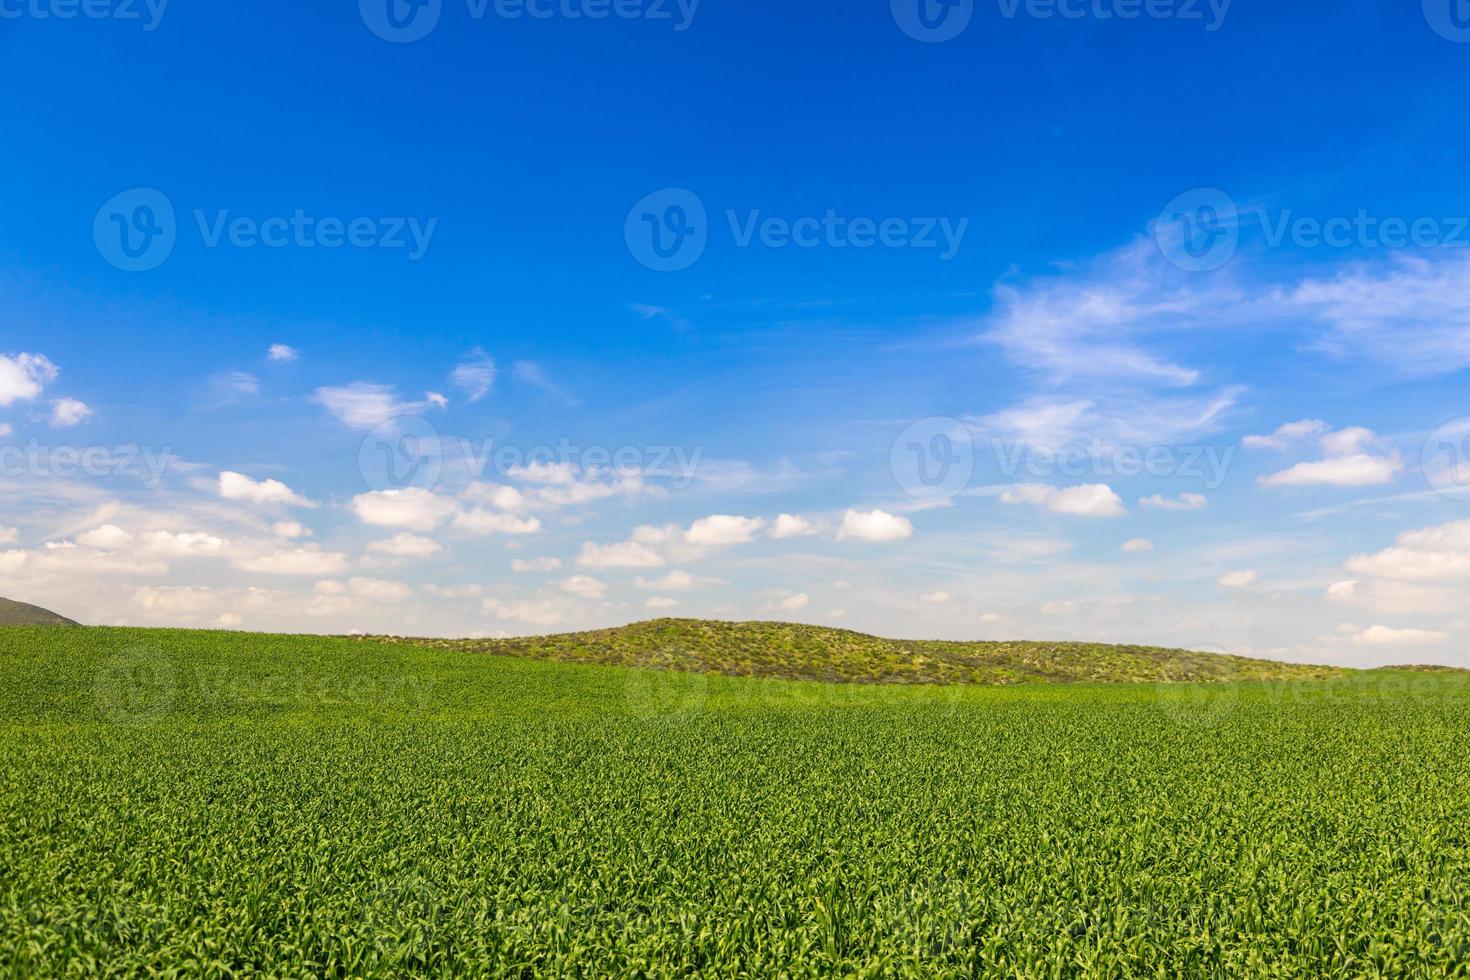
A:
{"x": 675, "y": 581}
{"x": 282, "y": 352}
{"x": 1136, "y": 546}
{"x": 1438, "y": 554}
{"x": 535, "y": 612}
{"x": 722, "y": 530}
{"x": 625, "y": 554}
{"x": 413, "y": 510}
{"x": 108, "y": 537}
{"x": 23, "y": 377}
{"x": 67, "y": 412}
{"x": 1347, "y": 462}
{"x": 1086, "y": 500}
{"x": 1387, "y": 636}
{"x": 482, "y": 522}
{"x": 584, "y": 586}
{"x": 306, "y": 560}
{"x": 794, "y": 602}
{"x": 875, "y": 526}
{"x": 661, "y": 602}
{"x": 791, "y": 526}
{"x": 237, "y": 486}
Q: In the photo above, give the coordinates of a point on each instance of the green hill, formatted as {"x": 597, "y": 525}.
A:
{"x": 25, "y": 614}
{"x": 798, "y": 652}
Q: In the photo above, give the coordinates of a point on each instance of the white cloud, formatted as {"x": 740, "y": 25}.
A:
{"x": 108, "y": 537}
{"x": 282, "y": 352}
{"x": 1347, "y": 464}
{"x": 306, "y": 560}
{"x": 1412, "y": 313}
{"x": 379, "y": 590}
{"x": 184, "y": 544}
{"x": 406, "y": 545}
{"x": 67, "y": 412}
{"x": 475, "y": 375}
{"x": 936, "y": 598}
{"x": 626, "y": 554}
{"x": 1344, "y": 591}
{"x": 661, "y": 602}
{"x": 1137, "y": 546}
{"x": 9, "y": 535}
{"x": 455, "y": 591}
{"x": 23, "y": 377}
{"x": 290, "y": 529}
{"x": 794, "y": 602}
{"x": 1238, "y": 580}
{"x": 1086, "y": 332}
{"x": 411, "y": 509}
{"x": 584, "y": 586}
{"x": 722, "y": 530}
{"x": 1287, "y": 435}
{"x": 991, "y": 617}
{"x": 237, "y": 486}
{"x": 480, "y": 521}
{"x": 1086, "y": 500}
{"x": 875, "y": 526}
{"x": 1186, "y": 501}
{"x": 1386, "y": 636}
{"x": 675, "y": 581}
{"x": 1434, "y": 554}
{"x": 535, "y": 564}
{"x": 5, "y": 429}
{"x": 792, "y": 526}
{"x": 537, "y": 612}
{"x": 363, "y": 405}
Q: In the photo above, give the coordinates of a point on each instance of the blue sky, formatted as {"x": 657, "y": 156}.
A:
{"x": 1111, "y": 231}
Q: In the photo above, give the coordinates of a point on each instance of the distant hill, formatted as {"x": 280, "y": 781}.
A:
{"x": 25, "y": 614}
{"x": 798, "y": 652}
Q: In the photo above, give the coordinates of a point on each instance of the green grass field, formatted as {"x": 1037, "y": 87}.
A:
{"x": 231, "y": 805}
